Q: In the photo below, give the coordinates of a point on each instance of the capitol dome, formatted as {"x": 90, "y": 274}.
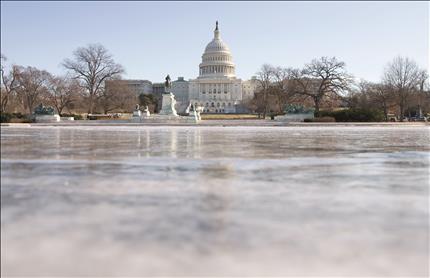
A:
{"x": 217, "y": 45}
{"x": 217, "y": 61}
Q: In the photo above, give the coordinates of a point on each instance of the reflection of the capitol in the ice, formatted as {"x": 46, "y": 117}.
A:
{"x": 155, "y": 143}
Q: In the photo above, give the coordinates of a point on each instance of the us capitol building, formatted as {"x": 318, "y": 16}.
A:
{"x": 216, "y": 88}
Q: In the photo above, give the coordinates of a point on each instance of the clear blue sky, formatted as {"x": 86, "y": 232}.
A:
{"x": 151, "y": 39}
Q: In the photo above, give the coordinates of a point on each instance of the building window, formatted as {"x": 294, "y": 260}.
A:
{"x": 229, "y": 104}
{"x": 212, "y": 104}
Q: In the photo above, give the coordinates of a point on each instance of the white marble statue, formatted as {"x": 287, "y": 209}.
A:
{"x": 136, "y": 112}
{"x": 146, "y": 111}
{"x": 197, "y": 110}
{"x": 187, "y": 110}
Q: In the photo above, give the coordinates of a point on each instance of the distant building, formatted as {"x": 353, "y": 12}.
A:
{"x": 249, "y": 87}
{"x": 180, "y": 88}
{"x": 216, "y": 88}
{"x": 157, "y": 90}
{"x": 137, "y": 86}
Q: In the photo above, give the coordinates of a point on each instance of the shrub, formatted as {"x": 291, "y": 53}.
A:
{"x": 22, "y": 120}
{"x": 5, "y": 117}
{"x": 14, "y": 118}
{"x": 325, "y": 119}
{"x": 18, "y": 116}
{"x": 353, "y": 115}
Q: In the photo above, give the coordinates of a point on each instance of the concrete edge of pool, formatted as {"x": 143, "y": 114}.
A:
{"x": 254, "y": 123}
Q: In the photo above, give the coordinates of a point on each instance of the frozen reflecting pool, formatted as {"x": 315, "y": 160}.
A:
{"x": 146, "y": 201}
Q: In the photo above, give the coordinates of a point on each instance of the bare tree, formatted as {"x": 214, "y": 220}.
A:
{"x": 9, "y": 84}
{"x": 63, "y": 92}
{"x": 265, "y": 79}
{"x": 423, "y": 90}
{"x": 272, "y": 90}
{"x": 381, "y": 94}
{"x": 149, "y": 100}
{"x": 32, "y": 85}
{"x": 403, "y": 76}
{"x": 281, "y": 92}
{"x": 322, "y": 78}
{"x": 117, "y": 96}
{"x": 93, "y": 65}
{"x": 423, "y": 78}
{"x": 256, "y": 104}
{"x": 378, "y": 96}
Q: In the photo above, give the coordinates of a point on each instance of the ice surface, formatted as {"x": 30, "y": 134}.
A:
{"x": 146, "y": 201}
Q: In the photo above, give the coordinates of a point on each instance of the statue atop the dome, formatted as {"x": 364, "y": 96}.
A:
{"x": 167, "y": 83}
{"x": 216, "y": 27}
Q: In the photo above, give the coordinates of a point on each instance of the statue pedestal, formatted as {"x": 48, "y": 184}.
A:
{"x": 294, "y": 117}
{"x": 137, "y": 113}
{"x": 47, "y": 118}
{"x": 168, "y": 105}
{"x": 166, "y": 119}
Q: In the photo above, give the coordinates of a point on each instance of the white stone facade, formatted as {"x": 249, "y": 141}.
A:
{"x": 248, "y": 88}
{"x": 216, "y": 88}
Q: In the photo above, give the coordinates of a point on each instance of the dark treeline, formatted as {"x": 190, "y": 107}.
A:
{"x": 325, "y": 84}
